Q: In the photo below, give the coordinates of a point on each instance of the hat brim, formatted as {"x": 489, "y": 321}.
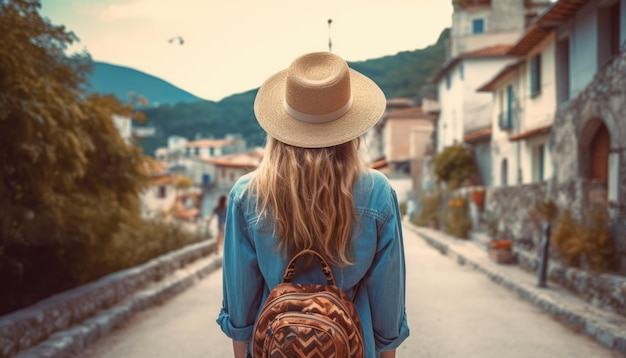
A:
{"x": 368, "y": 105}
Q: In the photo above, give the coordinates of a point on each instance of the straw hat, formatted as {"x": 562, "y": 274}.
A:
{"x": 318, "y": 102}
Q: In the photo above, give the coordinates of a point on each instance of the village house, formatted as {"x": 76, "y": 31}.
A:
{"x": 560, "y": 109}
{"x": 481, "y": 36}
{"x": 524, "y": 97}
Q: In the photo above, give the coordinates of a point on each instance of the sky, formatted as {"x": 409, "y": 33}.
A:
{"x": 232, "y": 46}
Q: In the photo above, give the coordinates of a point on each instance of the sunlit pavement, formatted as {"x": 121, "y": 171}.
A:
{"x": 454, "y": 311}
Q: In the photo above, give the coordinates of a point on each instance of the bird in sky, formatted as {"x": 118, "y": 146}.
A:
{"x": 180, "y": 40}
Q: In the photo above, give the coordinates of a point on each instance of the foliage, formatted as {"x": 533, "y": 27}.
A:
{"x": 406, "y": 73}
{"x": 586, "y": 244}
{"x": 430, "y": 207}
{"x": 69, "y": 184}
{"x": 546, "y": 210}
{"x": 206, "y": 119}
{"x": 456, "y": 218}
{"x": 454, "y": 165}
{"x": 183, "y": 182}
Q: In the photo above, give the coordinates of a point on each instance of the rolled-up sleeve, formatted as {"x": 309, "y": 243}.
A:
{"x": 242, "y": 282}
{"x": 386, "y": 283}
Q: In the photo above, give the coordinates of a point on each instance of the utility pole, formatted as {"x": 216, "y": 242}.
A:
{"x": 330, "y": 43}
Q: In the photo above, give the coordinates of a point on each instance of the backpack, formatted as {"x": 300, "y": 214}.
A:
{"x": 308, "y": 320}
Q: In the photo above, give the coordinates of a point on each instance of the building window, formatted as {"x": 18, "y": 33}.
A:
{"x": 562, "y": 70}
{"x": 197, "y": 151}
{"x": 506, "y": 118}
{"x": 448, "y": 81}
{"x": 538, "y": 163}
{"x": 478, "y": 26}
{"x": 535, "y": 75}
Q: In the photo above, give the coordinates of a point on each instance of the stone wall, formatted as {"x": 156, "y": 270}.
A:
{"x": 28, "y": 327}
{"x": 602, "y": 102}
{"x": 513, "y": 209}
{"x": 605, "y": 291}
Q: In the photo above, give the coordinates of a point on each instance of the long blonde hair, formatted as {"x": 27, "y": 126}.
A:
{"x": 307, "y": 193}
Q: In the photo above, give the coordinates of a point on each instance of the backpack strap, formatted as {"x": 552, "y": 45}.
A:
{"x": 291, "y": 268}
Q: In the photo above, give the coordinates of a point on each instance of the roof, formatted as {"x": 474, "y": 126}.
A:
{"x": 490, "y": 85}
{"x": 485, "y": 52}
{"x": 551, "y": 18}
{"x": 166, "y": 179}
{"x": 250, "y": 159}
{"x": 531, "y": 133}
{"x": 410, "y": 112}
{"x": 381, "y": 163}
{"x": 400, "y": 102}
{"x": 478, "y": 135}
{"x": 205, "y": 143}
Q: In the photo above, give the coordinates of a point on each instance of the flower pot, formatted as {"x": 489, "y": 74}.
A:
{"x": 478, "y": 198}
{"x": 502, "y": 256}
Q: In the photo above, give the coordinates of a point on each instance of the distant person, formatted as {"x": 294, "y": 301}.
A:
{"x": 311, "y": 191}
{"x": 220, "y": 212}
{"x": 411, "y": 208}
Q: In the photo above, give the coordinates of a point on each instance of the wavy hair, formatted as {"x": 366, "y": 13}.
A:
{"x": 307, "y": 194}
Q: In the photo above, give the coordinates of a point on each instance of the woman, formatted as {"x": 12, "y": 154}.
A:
{"x": 220, "y": 212}
{"x": 312, "y": 192}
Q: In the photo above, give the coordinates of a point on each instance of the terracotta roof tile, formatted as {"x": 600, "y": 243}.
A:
{"x": 531, "y": 133}
{"x": 490, "y": 51}
{"x": 210, "y": 143}
{"x": 490, "y": 85}
{"x": 477, "y": 135}
{"x": 552, "y": 17}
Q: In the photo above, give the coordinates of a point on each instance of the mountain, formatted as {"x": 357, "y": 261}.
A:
{"x": 121, "y": 81}
{"x": 402, "y": 75}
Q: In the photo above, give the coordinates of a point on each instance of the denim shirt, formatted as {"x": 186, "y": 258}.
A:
{"x": 252, "y": 265}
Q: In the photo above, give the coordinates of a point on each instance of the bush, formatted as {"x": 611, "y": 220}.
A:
{"x": 454, "y": 165}
{"x": 429, "y": 208}
{"x": 587, "y": 244}
{"x": 456, "y": 220}
{"x": 29, "y": 274}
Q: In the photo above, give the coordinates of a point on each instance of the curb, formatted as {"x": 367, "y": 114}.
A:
{"x": 609, "y": 332}
{"x": 72, "y": 340}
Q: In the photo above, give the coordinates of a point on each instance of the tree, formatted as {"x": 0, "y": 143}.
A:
{"x": 454, "y": 165}
{"x": 68, "y": 181}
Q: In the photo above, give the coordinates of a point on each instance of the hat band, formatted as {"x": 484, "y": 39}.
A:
{"x": 318, "y": 118}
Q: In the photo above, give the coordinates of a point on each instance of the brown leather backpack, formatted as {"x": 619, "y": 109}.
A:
{"x": 308, "y": 320}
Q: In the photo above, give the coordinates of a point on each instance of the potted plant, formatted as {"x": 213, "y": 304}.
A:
{"x": 478, "y": 197}
{"x": 501, "y": 251}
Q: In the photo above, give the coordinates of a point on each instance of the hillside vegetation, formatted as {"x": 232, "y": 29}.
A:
{"x": 402, "y": 75}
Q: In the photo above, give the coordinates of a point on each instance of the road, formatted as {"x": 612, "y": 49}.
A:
{"x": 453, "y": 312}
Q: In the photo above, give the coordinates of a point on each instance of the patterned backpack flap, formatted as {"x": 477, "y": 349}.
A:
{"x": 308, "y": 320}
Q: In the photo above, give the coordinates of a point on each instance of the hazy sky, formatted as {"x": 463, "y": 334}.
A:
{"x": 231, "y": 46}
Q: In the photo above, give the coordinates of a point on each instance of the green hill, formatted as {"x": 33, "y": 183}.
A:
{"x": 402, "y": 75}
{"x": 121, "y": 81}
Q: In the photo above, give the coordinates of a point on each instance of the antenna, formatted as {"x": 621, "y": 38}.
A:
{"x": 330, "y": 43}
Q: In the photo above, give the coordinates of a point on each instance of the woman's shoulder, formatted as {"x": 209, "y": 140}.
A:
{"x": 373, "y": 180}
{"x": 240, "y": 190}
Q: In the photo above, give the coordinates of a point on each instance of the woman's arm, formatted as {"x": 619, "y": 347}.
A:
{"x": 388, "y": 354}
{"x": 240, "y": 349}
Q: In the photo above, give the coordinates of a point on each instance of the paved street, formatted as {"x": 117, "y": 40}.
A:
{"x": 453, "y": 312}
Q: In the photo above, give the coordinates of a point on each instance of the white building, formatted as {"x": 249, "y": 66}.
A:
{"x": 124, "y": 125}
{"x": 524, "y": 97}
